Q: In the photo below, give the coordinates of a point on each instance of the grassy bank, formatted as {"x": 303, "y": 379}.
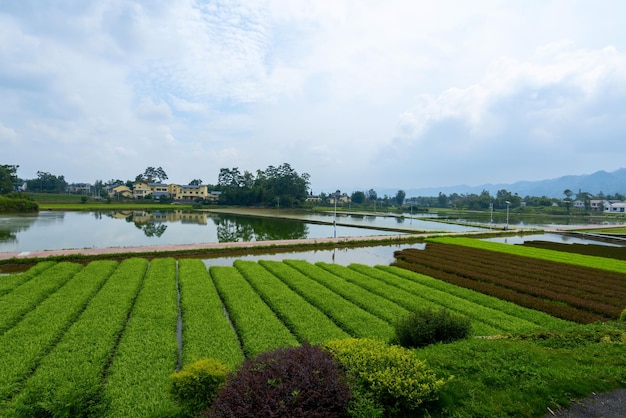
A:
{"x": 528, "y": 375}
{"x": 10, "y": 205}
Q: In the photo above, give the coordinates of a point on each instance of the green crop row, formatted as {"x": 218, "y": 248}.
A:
{"x": 303, "y": 319}
{"x": 8, "y": 283}
{"x": 68, "y": 381}
{"x": 369, "y": 278}
{"x": 475, "y": 311}
{"x": 354, "y": 320}
{"x": 371, "y": 302}
{"x": 148, "y": 350}
{"x": 540, "y": 319}
{"x": 23, "y": 346}
{"x": 258, "y": 327}
{"x": 24, "y": 298}
{"x": 543, "y": 254}
{"x": 207, "y": 333}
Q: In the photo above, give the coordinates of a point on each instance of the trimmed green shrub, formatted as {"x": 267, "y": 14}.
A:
{"x": 287, "y": 382}
{"x": 429, "y": 326}
{"x": 385, "y": 377}
{"x": 195, "y": 387}
{"x": 622, "y": 316}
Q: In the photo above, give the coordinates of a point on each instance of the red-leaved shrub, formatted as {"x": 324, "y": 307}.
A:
{"x": 288, "y": 382}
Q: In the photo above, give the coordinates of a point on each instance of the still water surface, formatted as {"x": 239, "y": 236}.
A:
{"x": 50, "y": 230}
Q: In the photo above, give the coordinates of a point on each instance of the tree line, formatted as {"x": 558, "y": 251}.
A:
{"x": 282, "y": 186}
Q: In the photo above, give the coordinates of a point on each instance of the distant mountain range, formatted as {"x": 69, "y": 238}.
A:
{"x": 600, "y": 181}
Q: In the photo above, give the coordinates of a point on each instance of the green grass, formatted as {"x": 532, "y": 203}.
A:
{"x": 525, "y": 377}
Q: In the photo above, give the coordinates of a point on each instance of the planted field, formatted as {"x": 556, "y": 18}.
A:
{"x": 568, "y": 291}
{"x": 102, "y": 340}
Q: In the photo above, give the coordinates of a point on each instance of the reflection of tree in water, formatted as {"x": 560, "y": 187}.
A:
{"x": 9, "y": 230}
{"x": 7, "y": 236}
{"x": 231, "y": 229}
{"x": 152, "y": 229}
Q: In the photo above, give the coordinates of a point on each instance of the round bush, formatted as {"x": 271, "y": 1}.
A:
{"x": 622, "y": 316}
{"x": 196, "y": 385}
{"x": 288, "y": 382}
{"x": 427, "y": 326}
{"x": 392, "y": 376}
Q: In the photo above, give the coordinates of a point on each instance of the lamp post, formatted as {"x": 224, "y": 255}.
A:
{"x": 507, "y": 214}
{"x": 335, "y": 221}
{"x": 491, "y": 220}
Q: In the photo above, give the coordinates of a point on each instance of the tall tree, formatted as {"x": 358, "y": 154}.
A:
{"x": 8, "y": 175}
{"x": 151, "y": 175}
{"x": 357, "y": 197}
{"x": 46, "y": 182}
{"x": 400, "y": 196}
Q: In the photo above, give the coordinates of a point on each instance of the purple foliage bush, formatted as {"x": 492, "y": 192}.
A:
{"x": 288, "y": 382}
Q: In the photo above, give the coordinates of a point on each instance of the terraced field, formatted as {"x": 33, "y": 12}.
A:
{"x": 104, "y": 337}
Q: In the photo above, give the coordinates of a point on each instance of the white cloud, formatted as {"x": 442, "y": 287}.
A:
{"x": 359, "y": 92}
{"x": 7, "y": 134}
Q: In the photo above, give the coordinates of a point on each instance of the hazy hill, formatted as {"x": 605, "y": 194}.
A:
{"x": 600, "y": 181}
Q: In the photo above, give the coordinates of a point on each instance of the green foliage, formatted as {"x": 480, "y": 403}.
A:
{"x": 278, "y": 186}
{"x": 256, "y": 324}
{"x": 427, "y": 326}
{"x": 301, "y": 381}
{"x": 196, "y": 385}
{"x": 524, "y": 377}
{"x": 207, "y": 333}
{"x": 10, "y": 205}
{"x": 46, "y": 182}
{"x": 388, "y": 376}
{"x": 351, "y": 318}
{"x": 622, "y": 316}
{"x": 303, "y": 319}
{"x": 148, "y": 350}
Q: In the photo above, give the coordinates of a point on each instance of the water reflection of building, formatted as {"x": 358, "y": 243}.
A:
{"x": 199, "y": 218}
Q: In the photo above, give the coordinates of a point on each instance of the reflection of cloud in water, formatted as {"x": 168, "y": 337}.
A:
{"x": 371, "y": 256}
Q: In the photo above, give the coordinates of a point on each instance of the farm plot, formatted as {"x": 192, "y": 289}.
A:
{"x": 567, "y": 291}
{"x": 414, "y": 295}
{"x": 102, "y": 340}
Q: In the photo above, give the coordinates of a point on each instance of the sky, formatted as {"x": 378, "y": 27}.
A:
{"x": 396, "y": 94}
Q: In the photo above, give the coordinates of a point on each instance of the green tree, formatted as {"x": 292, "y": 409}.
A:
{"x": 195, "y": 182}
{"x": 568, "y": 199}
{"x": 357, "y": 197}
{"x": 8, "y": 175}
{"x": 151, "y": 175}
{"x": 372, "y": 195}
{"x": 400, "y": 196}
{"x": 442, "y": 200}
{"x": 46, "y": 182}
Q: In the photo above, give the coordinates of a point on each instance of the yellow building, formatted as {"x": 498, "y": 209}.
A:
{"x": 142, "y": 190}
{"x": 189, "y": 192}
{"x": 120, "y": 191}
